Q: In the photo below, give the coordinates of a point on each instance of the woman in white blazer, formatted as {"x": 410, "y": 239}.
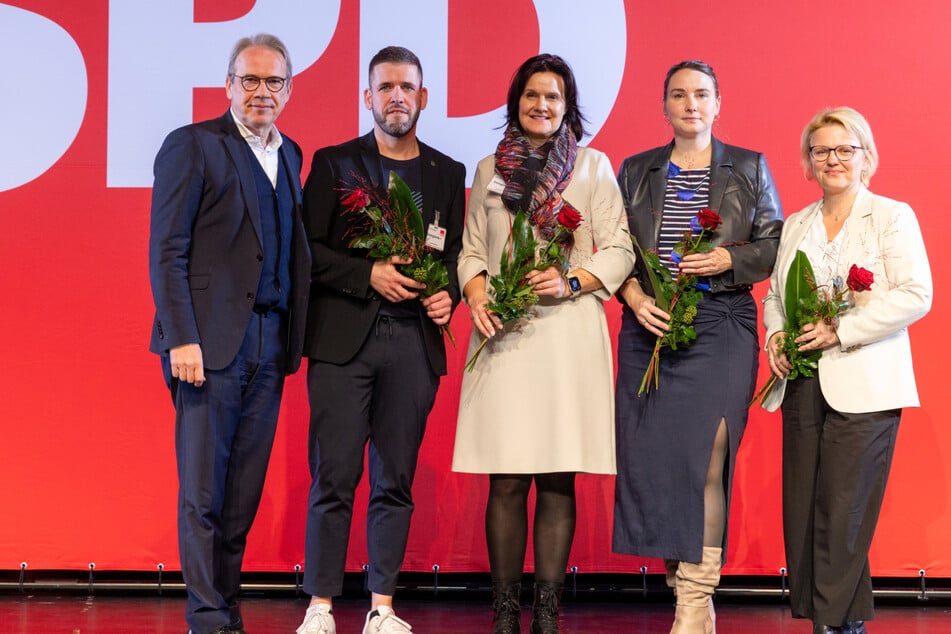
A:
{"x": 839, "y": 428}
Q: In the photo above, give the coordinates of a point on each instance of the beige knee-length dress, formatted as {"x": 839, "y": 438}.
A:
{"x": 541, "y": 396}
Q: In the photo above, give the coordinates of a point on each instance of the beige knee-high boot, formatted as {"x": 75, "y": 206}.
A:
{"x": 695, "y": 585}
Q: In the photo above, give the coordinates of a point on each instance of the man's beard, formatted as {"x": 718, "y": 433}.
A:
{"x": 397, "y": 130}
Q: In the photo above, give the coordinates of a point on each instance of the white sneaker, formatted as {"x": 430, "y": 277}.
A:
{"x": 384, "y": 621}
{"x": 318, "y": 619}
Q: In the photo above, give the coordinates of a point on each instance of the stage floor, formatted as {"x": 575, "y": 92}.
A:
{"x": 50, "y": 613}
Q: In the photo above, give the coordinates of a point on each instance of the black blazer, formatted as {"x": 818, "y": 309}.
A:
{"x": 343, "y": 305}
{"x": 741, "y": 191}
{"x": 205, "y": 247}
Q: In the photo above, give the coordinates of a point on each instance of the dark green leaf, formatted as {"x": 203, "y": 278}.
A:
{"x": 800, "y": 288}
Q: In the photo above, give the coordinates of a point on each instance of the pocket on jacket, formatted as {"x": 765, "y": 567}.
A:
{"x": 198, "y": 282}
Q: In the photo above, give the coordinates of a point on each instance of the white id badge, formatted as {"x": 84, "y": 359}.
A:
{"x": 436, "y": 235}
{"x": 497, "y": 184}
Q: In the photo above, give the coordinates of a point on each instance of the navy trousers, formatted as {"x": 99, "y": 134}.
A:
{"x": 383, "y": 396}
{"x": 223, "y": 436}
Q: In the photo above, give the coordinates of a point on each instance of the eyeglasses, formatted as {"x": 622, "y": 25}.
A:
{"x": 842, "y": 152}
{"x": 251, "y": 82}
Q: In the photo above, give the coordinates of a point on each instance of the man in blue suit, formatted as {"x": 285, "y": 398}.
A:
{"x": 229, "y": 266}
{"x": 374, "y": 346}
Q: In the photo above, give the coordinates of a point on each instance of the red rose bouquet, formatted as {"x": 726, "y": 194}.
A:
{"x": 512, "y": 295}
{"x": 807, "y": 303}
{"x": 394, "y": 227}
{"x": 677, "y": 297}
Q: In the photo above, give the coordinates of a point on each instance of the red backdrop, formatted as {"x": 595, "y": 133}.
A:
{"x": 87, "y": 469}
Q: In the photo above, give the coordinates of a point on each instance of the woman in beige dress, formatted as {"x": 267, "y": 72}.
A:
{"x": 538, "y": 406}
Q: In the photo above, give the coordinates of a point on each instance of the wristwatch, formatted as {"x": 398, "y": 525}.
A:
{"x": 574, "y": 284}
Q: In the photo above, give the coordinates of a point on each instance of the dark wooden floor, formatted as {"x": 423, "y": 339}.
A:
{"x": 51, "y": 613}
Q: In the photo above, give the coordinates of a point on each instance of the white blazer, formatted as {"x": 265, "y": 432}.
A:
{"x": 871, "y": 370}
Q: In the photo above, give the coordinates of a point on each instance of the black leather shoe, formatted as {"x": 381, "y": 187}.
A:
{"x": 818, "y": 628}
{"x": 856, "y": 627}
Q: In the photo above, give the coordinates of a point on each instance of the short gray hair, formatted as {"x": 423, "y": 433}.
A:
{"x": 260, "y": 39}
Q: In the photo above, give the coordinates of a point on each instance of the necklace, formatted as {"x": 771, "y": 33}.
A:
{"x": 835, "y": 216}
{"x": 683, "y": 191}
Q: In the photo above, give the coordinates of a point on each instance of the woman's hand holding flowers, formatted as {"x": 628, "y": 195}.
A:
{"x": 706, "y": 264}
{"x": 778, "y": 363}
{"x": 548, "y": 281}
{"x": 485, "y": 321}
{"x": 648, "y": 315}
{"x": 817, "y": 336}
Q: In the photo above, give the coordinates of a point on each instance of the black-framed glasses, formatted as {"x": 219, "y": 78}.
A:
{"x": 842, "y": 152}
{"x": 251, "y": 82}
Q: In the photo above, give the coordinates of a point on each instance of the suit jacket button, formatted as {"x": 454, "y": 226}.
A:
{"x": 260, "y": 257}
{"x": 250, "y": 296}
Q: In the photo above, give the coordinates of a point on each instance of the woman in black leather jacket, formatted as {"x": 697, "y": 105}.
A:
{"x": 676, "y": 443}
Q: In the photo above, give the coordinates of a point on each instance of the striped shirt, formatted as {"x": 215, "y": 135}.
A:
{"x": 688, "y": 191}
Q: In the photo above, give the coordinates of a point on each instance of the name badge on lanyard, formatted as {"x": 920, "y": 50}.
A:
{"x": 436, "y": 235}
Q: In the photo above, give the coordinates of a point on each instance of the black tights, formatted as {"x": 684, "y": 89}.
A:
{"x": 506, "y": 524}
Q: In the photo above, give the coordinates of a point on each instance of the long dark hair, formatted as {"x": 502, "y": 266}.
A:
{"x": 547, "y": 63}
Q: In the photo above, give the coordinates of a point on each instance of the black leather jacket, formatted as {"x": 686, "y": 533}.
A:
{"x": 741, "y": 191}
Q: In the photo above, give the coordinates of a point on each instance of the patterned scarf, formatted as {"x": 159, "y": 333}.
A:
{"x": 535, "y": 177}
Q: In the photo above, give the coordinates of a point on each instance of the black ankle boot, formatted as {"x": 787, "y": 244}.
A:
{"x": 506, "y": 602}
{"x": 545, "y": 608}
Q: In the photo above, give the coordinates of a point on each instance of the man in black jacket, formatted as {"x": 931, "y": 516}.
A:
{"x": 375, "y": 347}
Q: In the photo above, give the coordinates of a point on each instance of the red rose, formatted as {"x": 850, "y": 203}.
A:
{"x": 708, "y": 219}
{"x": 569, "y": 218}
{"x": 356, "y": 200}
{"x": 860, "y": 279}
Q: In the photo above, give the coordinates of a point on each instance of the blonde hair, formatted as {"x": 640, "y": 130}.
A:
{"x": 854, "y": 123}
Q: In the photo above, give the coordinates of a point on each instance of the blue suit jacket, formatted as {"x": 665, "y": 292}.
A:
{"x": 205, "y": 248}
{"x": 343, "y": 305}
